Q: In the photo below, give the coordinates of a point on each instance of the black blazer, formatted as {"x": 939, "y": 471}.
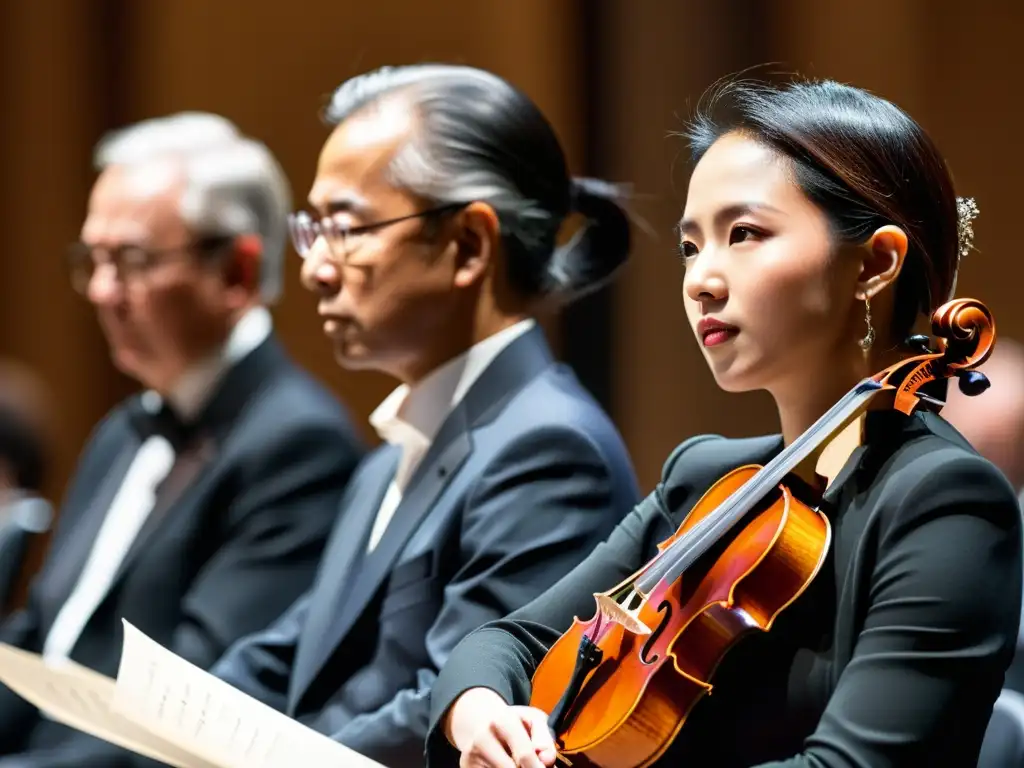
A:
{"x": 525, "y": 476}
{"x": 224, "y": 555}
{"x": 893, "y": 657}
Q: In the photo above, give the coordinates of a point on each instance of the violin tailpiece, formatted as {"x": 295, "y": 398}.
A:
{"x": 587, "y": 660}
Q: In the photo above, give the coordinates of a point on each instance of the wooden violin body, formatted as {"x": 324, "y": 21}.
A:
{"x": 764, "y": 567}
{"x": 620, "y": 686}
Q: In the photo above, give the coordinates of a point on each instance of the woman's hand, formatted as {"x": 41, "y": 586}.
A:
{"x": 491, "y": 734}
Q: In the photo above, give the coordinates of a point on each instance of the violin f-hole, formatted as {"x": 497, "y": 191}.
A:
{"x": 645, "y": 657}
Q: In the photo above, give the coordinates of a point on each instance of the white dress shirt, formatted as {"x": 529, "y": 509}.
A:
{"x": 134, "y": 500}
{"x": 411, "y": 418}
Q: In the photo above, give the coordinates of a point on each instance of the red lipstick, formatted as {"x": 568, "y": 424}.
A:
{"x": 713, "y": 332}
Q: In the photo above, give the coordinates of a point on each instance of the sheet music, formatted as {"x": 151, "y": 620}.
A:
{"x": 82, "y": 699}
{"x": 180, "y": 701}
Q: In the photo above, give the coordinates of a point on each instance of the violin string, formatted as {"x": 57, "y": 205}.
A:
{"x": 684, "y": 551}
{"x": 719, "y": 522}
{"x": 739, "y": 503}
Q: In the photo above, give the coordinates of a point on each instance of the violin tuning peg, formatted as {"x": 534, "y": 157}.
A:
{"x": 920, "y": 342}
{"x": 973, "y": 383}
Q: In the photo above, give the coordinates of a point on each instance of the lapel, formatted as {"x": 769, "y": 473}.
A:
{"x": 446, "y": 454}
{"x": 518, "y": 364}
{"x": 343, "y": 553}
{"x": 721, "y": 456}
{"x": 237, "y": 389}
{"x": 884, "y": 431}
{"x": 705, "y": 463}
{"x": 75, "y": 543}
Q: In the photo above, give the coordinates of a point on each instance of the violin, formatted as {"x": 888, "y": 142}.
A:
{"x": 620, "y": 685}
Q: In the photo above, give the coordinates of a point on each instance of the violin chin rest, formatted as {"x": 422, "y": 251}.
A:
{"x": 615, "y": 612}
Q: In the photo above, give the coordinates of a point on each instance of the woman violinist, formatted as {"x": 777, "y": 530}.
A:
{"x": 819, "y": 224}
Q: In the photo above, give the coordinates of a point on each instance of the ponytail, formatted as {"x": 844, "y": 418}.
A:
{"x": 597, "y": 252}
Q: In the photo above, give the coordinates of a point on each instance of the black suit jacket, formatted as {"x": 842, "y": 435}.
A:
{"x": 893, "y": 657}
{"x": 1003, "y": 746}
{"x": 526, "y": 475}
{"x": 222, "y": 555}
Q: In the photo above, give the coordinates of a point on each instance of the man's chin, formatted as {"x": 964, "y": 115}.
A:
{"x": 352, "y": 357}
{"x": 127, "y": 363}
{"x": 134, "y": 367}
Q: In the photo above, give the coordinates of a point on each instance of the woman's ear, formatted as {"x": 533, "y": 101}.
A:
{"x": 477, "y": 240}
{"x": 885, "y": 251}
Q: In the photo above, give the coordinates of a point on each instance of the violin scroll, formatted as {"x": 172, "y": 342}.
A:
{"x": 966, "y": 333}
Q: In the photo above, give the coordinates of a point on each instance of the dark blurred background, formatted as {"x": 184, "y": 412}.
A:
{"x": 616, "y": 77}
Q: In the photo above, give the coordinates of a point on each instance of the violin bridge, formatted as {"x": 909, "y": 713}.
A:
{"x": 612, "y": 610}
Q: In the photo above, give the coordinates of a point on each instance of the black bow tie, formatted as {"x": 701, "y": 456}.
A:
{"x": 164, "y": 422}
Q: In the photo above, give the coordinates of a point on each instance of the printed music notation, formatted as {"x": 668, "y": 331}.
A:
{"x": 185, "y": 703}
{"x": 82, "y": 699}
{"x": 165, "y": 708}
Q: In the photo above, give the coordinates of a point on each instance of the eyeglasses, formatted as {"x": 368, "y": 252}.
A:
{"x": 306, "y": 230}
{"x": 131, "y": 262}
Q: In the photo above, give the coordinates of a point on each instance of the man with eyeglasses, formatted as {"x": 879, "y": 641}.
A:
{"x": 432, "y": 246}
{"x": 199, "y": 508}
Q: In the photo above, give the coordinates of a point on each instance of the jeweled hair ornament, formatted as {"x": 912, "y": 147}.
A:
{"x": 966, "y": 212}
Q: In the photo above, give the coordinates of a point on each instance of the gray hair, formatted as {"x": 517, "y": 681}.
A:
{"x": 234, "y": 185}
{"x": 479, "y": 138}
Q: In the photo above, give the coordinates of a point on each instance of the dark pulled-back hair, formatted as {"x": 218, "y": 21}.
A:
{"x": 863, "y": 161}
{"x": 479, "y": 138}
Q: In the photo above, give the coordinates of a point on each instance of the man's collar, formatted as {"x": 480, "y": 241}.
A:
{"x": 413, "y": 415}
{"x": 193, "y": 390}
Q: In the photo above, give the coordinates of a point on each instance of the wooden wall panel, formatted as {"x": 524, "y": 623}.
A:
{"x": 52, "y": 115}
{"x": 662, "y": 57}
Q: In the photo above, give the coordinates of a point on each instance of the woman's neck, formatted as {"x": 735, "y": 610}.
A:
{"x": 799, "y": 412}
{"x": 804, "y": 400}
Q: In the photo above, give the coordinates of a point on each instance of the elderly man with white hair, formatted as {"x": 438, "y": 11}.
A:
{"x": 200, "y": 507}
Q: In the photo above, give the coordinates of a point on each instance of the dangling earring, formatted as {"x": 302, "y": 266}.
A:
{"x": 869, "y": 337}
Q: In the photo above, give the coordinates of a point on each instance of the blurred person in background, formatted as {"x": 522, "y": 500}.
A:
{"x": 438, "y": 200}
{"x": 993, "y": 423}
{"x": 199, "y": 509}
{"x": 25, "y": 462}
